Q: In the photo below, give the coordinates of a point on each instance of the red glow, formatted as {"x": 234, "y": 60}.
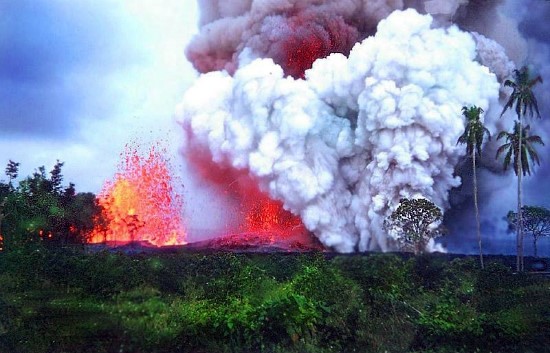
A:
{"x": 301, "y": 53}
{"x": 139, "y": 204}
{"x": 267, "y": 224}
{"x": 269, "y": 215}
{"x": 262, "y": 222}
{"x": 314, "y": 36}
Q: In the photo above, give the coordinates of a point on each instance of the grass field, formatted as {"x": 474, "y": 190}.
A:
{"x": 69, "y": 301}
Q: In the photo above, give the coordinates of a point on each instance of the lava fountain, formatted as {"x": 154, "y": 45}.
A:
{"x": 139, "y": 204}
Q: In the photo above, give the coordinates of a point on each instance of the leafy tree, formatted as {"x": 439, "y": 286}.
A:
{"x": 12, "y": 170}
{"x": 519, "y": 147}
{"x": 522, "y": 95}
{"x": 536, "y": 221}
{"x": 56, "y": 177}
{"x": 133, "y": 224}
{"x": 473, "y": 135}
{"x": 525, "y": 101}
{"x": 414, "y": 223}
{"x": 41, "y": 211}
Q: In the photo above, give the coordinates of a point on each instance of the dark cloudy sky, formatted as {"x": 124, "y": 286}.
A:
{"x": 79, "y": 79}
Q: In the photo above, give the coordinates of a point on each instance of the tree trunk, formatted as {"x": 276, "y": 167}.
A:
{"x": 519, "y": 236}
{"x": 477, "y": 208}
{"x": 535, "y": 244}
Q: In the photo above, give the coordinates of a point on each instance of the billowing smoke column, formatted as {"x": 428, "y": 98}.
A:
{"x": 361, "y": 130}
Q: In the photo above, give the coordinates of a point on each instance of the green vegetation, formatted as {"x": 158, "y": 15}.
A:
{"x": 536, "y": 222}
{"x": 41, "y": 212}
{"x": 473, "y": 136}
{"x": 414, "y": 223}
{"x": 519, "y": 144}
{"x": 67, "y": 301}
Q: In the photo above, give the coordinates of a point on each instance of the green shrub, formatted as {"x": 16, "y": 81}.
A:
{"x": 326, "y": 286}
{"x": 383, "y": 278}
{"x": 427, "y": 270}
{"x": 145, "y": 318}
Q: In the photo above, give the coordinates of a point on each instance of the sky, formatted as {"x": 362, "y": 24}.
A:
{"x": 79, "y": 79}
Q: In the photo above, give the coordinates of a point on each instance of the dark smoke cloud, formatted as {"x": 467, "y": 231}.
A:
{"x": 227, "y": 29}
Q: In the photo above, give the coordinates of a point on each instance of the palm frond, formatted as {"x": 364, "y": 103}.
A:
{"x": 522, "y": 97}
{"x": 525, "y": 167}
{"x": 502, "y": 149}
{"x": 486, "y": 131}
{"x": 507, "y": 159}
{"x": 503, "y": 134}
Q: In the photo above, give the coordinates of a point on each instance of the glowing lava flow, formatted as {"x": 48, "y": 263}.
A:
{"x": 267, "y": 224}
{"x": 140, "y": 205}
{"x": 269, "y": 215}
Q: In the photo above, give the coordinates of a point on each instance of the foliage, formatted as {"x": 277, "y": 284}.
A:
{"x": 12, "y": 170}
{"x": 473, "y": 135}
{"x": 513, "y": 149}
{"x": 522, "y": 95}
{"x": 474, "y": 131}
{"x": 41, "y": 212}
{"x": 222, "y": 302}
{"x": 536, "y": 221}
{"x": 414, "y": 223}
{"x": 518, "y": 143}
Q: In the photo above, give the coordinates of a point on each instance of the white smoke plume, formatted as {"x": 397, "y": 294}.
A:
{"x": 340, "y": 147}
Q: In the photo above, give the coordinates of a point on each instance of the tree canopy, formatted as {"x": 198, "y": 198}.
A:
{"x": 414, "y": 223}
{"x": 474, "y": 132}
{"x": 536, "y": 222}
{"x": 522, "y": 95}
{"x": 513, "y": 148}
{"x": 40, "y": 210}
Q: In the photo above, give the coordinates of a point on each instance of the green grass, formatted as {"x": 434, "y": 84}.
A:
{"x": 104, "y": 302}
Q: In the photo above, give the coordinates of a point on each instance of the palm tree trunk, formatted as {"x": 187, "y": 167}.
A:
{"x": 477, "y": 208}
{"x": 519, "y": 236}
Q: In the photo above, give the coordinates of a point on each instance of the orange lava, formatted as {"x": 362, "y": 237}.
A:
{"x": 140, "y": 204}
{"x": 266, "y": 226}
{"x": 265, "y": 222}
{"x": 269, "y": 215}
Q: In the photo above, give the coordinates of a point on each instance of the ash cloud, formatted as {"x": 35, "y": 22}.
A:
{"x": 350, "y": 168}
{"x": 261, "y": 27}
{"x": 341, "y": 147}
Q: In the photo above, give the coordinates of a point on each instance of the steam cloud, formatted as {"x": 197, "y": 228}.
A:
{"x": 364, "y": 127}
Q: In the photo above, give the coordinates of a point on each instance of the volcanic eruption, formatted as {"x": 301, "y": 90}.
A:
{"x": 337, "y": 109}
{"x": 139, "y": 204}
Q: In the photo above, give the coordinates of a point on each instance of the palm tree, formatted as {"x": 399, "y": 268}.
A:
{"x": 524, "y": 99}
{"x": 473, "y": 139}
{"x": 519, "y": 149}
{"x": 522, "y": 95}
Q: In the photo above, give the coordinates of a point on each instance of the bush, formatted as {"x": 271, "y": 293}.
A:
{"x": 326, "y": 285}
{"x": 383, "y": 278}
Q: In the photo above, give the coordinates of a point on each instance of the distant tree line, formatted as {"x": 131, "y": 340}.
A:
{"x": 40, "y": 210}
